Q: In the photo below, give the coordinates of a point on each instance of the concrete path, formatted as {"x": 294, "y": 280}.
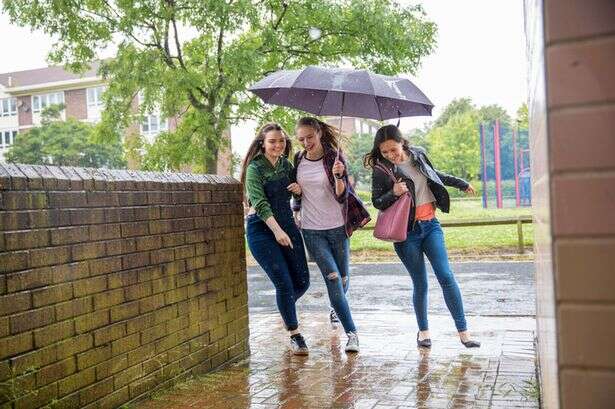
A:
{"x": 390, "y": 371}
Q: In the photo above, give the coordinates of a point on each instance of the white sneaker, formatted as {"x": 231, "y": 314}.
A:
{"x": 334, "y": 320}
{"x": 353, "y": 342}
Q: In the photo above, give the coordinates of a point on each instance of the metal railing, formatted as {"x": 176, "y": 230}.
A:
{"x": 496, "y": 221}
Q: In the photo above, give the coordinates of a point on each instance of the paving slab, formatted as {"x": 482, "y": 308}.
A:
{"x": 389, "y": 371}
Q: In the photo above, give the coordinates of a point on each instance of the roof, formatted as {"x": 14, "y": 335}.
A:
{"x": 44, "y": 76}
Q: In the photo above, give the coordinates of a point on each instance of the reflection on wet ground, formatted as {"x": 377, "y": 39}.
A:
{"x": 389, "y": 372}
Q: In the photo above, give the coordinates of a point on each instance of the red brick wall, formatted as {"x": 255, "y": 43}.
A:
{"x": 114, "y": 282}
{"x": 24, "y": 112}
{"x": 573, "y": 144}
{"x": 76, "y": 103}
{"x": 580, "y": 61}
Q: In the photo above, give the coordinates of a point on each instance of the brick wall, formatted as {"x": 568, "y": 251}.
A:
{"x": 115, "y": 282}
{"x": 76, "y": 103}
{"x": 24, "y": 112}
{"x": 573, "y": 137}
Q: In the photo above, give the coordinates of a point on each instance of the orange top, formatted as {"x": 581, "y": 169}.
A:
{"x": 426, "y": 211}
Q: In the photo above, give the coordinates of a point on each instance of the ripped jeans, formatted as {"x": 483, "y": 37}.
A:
{"x": 330, "y": 249}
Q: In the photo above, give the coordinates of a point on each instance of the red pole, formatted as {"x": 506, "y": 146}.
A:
{"x": 498, "y": 173}
{"x": 515, "y": 153}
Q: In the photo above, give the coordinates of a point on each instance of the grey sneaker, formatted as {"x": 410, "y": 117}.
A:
{"x": 334, "y": 319}
{"x": 298, "y": 345}
{"x": 353, "y": 342}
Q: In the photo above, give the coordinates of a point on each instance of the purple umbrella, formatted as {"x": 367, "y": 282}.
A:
{"x": 346, "y": 92}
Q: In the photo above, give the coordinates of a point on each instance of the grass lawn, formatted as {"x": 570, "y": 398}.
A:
{"x": 465, "y": 239}
{"x": 482, "y": 242}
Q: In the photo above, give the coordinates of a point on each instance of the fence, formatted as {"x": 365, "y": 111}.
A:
{"x": 505, "y": 166}
{"x": 519, "y": 221}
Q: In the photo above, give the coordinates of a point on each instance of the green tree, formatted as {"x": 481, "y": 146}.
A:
{"x": 489, "y": 113}
{"x": 420, "y": 136}
{"x": 195, "y": 59}
{"x": 455, "y": 147}
{"x": 65, "y": 143}
{"x": 355, "y": 149}
{"x": 523, "y": 117}
{"x": 456, "y": 106}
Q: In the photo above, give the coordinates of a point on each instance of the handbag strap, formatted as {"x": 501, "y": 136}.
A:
{"x": 386, "y": 171}
{"x": 391, "y": 175}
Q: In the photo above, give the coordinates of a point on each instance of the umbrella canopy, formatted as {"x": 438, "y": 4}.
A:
{"x": 341, "y": 91}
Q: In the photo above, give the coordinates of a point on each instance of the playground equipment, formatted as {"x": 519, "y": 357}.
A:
{"x": 505, "y": 166}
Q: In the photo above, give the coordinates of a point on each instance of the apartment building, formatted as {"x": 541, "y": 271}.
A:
{"x": 24, "y": 94}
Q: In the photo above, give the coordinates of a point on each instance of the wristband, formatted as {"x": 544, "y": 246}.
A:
{"x": 338, "y": 177}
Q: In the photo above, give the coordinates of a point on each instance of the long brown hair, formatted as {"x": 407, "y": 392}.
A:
{"x": 330, "y": 136}
{"x": 385, "y": 133}
{"x": 258, "y": 146}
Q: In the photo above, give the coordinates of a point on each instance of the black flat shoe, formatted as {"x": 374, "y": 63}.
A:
{"x": 471, "y": 344}
{"x": 425, "y": 343}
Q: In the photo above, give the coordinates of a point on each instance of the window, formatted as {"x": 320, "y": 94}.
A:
{"x": 95, "y": 96}
{"x": 8, "y": 107}
{"x": 40, "y": 102}
{"x": 7, "y": 138}
{"x": 153, "y": 124}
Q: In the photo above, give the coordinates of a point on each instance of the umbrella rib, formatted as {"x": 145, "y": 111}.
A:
{"x": 322, "y": 103}
{"x": 375, "y": 96}
{"x": 379, "y": 111}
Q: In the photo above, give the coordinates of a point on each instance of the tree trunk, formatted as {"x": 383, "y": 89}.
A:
{"x": 211, "y": 163}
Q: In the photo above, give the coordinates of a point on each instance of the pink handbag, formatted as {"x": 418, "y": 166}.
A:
{"x": 392, "y": 223}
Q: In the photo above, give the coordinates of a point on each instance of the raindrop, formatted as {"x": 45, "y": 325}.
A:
{"x": 315, "y": 33}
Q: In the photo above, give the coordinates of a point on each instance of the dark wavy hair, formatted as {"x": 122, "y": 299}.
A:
{"x": 257, "y": 146}
{"x": 329, "y": 135}
{"x": 385, "y": 133}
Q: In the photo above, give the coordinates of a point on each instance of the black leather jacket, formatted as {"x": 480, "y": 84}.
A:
{"x": 382, "y": 185}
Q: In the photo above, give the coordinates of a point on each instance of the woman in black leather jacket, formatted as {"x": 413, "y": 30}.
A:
{"x": 415, "y": 175}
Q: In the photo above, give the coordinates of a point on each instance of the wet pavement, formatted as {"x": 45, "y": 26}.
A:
{"x": 491, "y": 289}
{"x": 390, "y": 371}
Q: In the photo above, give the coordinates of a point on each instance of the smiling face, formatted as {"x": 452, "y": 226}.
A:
{"x": 393, "y": 151}
{"x": 309, "y": 138}
{"x": 274, "y": 144}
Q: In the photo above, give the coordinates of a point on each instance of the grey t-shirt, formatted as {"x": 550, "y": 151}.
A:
{"x": 423, "y": 193}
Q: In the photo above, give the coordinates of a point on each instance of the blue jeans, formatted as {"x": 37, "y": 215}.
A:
{"x": 286, "y": 268}
{"x": 427, "y": 238}
{"x": 330, "y": 249}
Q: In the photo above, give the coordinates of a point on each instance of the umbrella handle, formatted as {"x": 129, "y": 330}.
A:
{"x": 337, "y": 156}
{"x": 398, "y": 117}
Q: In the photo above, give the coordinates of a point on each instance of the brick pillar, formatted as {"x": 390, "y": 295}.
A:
{"x": 572, "y": 54}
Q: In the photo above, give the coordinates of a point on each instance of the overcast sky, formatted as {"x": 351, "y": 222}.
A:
{"x": 480, "y": 54}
